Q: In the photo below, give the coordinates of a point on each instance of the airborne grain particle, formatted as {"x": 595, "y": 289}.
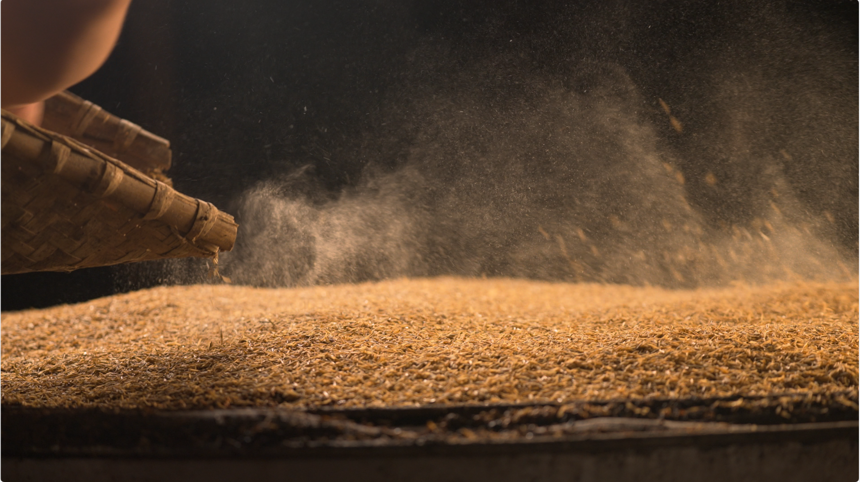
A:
{"x": 676, "y": 124}
{"x": 710, "y": 179}
{"x": 665, "y": 106}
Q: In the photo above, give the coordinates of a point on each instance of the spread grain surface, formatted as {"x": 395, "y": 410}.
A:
{"x": 429, "y": 341}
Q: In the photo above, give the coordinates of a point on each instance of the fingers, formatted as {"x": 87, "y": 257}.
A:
{"x": 50, "y": 45}
{"x": 32, "y": 113}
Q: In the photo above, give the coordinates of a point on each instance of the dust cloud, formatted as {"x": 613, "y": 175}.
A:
{"x": 574, "y": 173}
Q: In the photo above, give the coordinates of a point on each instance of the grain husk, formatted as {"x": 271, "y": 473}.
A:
{"x": 441, "y": 341}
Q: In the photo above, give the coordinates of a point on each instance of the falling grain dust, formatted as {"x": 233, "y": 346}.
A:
{"x": 564, "y": 176}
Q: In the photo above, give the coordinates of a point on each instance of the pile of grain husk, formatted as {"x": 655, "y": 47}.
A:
{"x": 430, "y": 341}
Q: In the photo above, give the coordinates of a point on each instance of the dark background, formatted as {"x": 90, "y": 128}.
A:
{"x": 255, "y": 90}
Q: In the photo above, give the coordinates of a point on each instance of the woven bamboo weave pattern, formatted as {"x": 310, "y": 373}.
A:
{"x": 69, "y": 115}
{"x": 66, "y": 206}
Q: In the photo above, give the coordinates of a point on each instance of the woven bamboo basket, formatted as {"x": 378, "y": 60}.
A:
{"x": 67, "y": 206}
{"x": 72, "y": 116}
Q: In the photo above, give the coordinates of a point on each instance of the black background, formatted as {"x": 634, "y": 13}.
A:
{"x": 243, "y": 89}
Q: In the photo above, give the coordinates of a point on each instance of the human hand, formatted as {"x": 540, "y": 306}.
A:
{"x": 32, "y": 113}
{"x": 50, "y": 45}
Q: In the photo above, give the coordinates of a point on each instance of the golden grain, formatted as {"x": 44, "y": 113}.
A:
{"x": 429, "y": 341}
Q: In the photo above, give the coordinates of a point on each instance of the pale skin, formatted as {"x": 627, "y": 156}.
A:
{"x": 51, "y": 45}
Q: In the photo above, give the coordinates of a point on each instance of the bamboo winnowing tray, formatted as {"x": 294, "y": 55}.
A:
{"x": 72, "y": 116}
{"x": 66, "y": 205}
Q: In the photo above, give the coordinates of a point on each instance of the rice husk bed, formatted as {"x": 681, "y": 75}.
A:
{"x": 441, "y": 341}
